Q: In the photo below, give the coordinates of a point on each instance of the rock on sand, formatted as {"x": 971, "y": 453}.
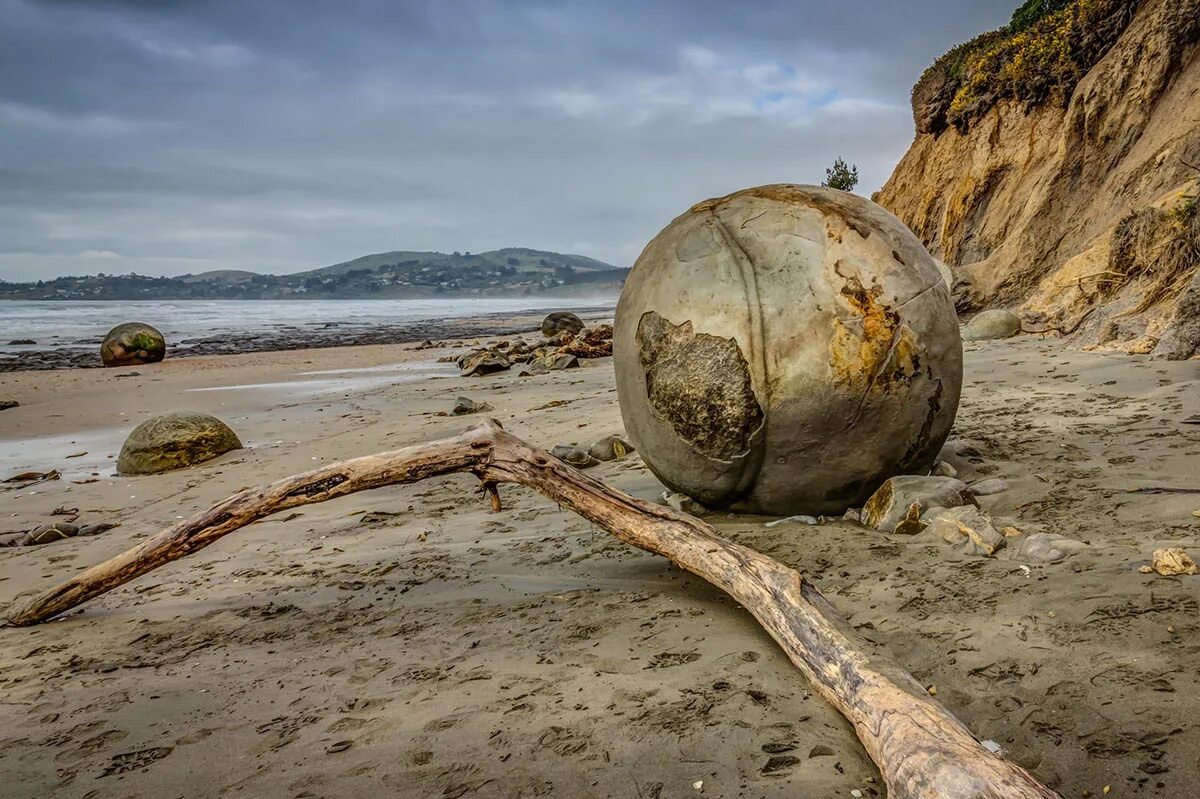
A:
{"x": 173, "y": 441}
{"x": 997, "y": 323}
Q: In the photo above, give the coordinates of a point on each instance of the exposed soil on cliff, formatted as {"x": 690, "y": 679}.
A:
{"x": 1024, "y": 202}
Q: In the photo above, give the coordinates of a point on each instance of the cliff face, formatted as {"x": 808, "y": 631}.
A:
{"x": 1078, "y": 208}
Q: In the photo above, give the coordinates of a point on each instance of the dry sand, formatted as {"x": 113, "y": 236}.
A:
{"x": 408, "y": 642}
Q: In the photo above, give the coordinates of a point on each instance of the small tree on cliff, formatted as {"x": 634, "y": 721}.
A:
{"x": 841, "y": 176}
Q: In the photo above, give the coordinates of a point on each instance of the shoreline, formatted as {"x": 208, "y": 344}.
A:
{"x": 330, "y": 334}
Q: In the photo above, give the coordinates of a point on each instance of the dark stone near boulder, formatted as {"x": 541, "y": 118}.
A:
{"x": 6, "y": 404}
{"x": 173, "y": 441}
{"x": 133, "y": 343}
{"x": 892, "y": 502}
{"x": 466, "y": 405}
{"x": 49, "y": 533}
{"x": 561, "y": 322}
{"x": 610, "y": 448}
{"x": 573, "y": 456}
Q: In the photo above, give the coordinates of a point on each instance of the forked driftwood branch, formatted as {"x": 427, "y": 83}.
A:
{"x": 921, "y": 749}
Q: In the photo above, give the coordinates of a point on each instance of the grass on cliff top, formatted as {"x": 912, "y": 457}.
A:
{"x": 1038, "y": 58}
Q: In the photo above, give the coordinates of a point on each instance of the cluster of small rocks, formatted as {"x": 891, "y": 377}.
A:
{"x": 563, "y": 349}
{"x": 944, "y": 509}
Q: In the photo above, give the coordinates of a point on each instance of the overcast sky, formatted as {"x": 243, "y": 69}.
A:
{"x": 280, "y": 135}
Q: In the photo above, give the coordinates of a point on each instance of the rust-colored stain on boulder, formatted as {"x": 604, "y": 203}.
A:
{"x": 871, "y": 349}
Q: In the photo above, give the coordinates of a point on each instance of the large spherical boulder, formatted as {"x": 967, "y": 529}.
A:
{"x": 173, "y": 441}
{"x": 133, "y": 343}
{"x": 786, "y": 349}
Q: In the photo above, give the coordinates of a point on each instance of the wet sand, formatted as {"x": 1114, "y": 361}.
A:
{"x": 409, "y": 642}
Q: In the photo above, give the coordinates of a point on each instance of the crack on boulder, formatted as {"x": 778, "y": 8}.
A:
{"x": 919, "y": 444}
{"x": 699, "y": 384}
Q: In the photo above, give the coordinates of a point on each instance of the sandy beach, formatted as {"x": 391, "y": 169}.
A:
{"x": 409, "y": 642}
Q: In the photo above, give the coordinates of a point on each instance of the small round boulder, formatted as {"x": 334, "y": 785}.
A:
{"x": 561, "y": 322}
{"x": 173, "y": 441}
{"x": 785, "y": 350}
{"x": 994, "y": 324}
{"x": 133, "y": 343}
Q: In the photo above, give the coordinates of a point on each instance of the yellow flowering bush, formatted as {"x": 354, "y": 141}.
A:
{"x": 1038, "y": 58}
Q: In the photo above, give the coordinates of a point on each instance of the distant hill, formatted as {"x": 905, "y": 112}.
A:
{"x": 518, "y": 257}
{"x": 512, "y": 271}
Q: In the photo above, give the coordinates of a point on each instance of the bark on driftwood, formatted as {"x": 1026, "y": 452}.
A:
{"x": 921, "y": 749}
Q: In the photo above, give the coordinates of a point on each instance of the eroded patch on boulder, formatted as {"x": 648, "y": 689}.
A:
{"x": 700, "y": 384}
{"x": 872, "y": 348}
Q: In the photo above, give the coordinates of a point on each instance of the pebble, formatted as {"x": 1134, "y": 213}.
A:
{"x": 801, "y": 519}
{"x": 683, "y": 503}
{"x": 985, "y": 488}
{"x": 1042, "y": 547}
{"x": 944, "y": 469}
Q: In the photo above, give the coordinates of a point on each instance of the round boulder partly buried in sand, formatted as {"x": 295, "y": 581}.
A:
{"x": 785, "y": 350}
{"x": 561, "y": 322}
{"x": 133, "y": 343}
{"x": 173, "y": 441}
{"x": 993, "y": 324}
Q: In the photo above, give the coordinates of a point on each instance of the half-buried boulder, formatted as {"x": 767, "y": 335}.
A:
{"x": 561, "y": 322}
{"x": 173, "y": 441}
{"x": 993, "y": 324}
{"x": 131, "y": 344}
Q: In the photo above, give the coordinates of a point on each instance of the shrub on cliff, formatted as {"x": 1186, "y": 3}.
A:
{"x": 1160, "y": 246}
{"x": 1039, "y": 57}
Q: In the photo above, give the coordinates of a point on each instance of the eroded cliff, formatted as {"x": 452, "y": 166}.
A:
{"x": 1056, "y": 167}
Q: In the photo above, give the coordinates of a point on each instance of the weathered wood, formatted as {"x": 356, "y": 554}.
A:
{"x": 921, "y": 749}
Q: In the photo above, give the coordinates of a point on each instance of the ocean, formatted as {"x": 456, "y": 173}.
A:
{"x": 79, "y": 325}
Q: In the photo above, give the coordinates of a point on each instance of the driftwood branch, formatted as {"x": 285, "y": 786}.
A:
{"x": 921, "y": 749}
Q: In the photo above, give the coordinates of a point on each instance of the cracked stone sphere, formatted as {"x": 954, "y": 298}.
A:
{"x": 785, "y": 350}
{"x": 133, "y": 343}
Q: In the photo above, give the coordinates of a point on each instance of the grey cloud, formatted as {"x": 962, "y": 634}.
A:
{"x": 166, "y": 137}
